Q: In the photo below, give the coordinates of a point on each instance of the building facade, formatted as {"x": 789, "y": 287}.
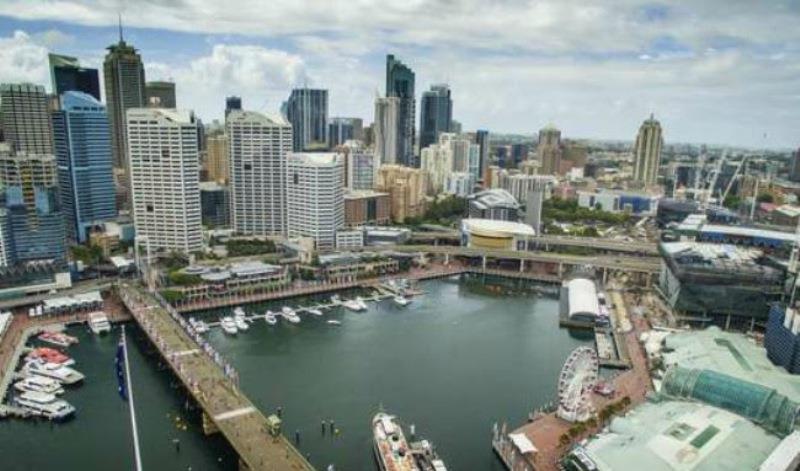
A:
{"x": 406, "y": 187}
{"x": 436, "y": 114}
{"x": 341, "y": 130}
{"x": 307, "y": 111}
{"x": 217, "y": 161}
{"x": 215, "y": 204}
{"x": 315, "y": 197}
{"x": 66, "y": 74}
{"x": 82, "y": 139}
{"x": 548, "y": 150}
{"x": 387, "y": 116}
{"x": 482, "y": 140}
{"x": 25, "y": 119}
{"x": 361, "y": 166}
{"x": 123, "y": 77}
{"x": 647, "y": 152}
{"x": 258, "y": 150}
{"x": 161, "y": 94}
{"x": 165, "y": 178}
{"x": 232, "y": 103}
{"x": 400, "y": 84}
{"x": 362, "y": 208}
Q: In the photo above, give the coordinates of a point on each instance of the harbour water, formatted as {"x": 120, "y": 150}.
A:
{"x": 457, "y": 359}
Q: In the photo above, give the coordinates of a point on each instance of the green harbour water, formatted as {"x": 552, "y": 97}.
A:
{"x": 458, "y": 358}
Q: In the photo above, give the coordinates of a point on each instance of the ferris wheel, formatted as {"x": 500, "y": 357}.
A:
{"x": 578, "y": 377}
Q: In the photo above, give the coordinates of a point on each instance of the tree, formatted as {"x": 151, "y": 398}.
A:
{"x": 732, "y": 202}
{"x": 765, "y": 198}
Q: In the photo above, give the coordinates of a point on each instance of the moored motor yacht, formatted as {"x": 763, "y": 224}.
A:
{"x": 361, "y": 303}
{"x": 391, "y": 449}
{"x": 353, "y": 305}
{"x": 228, "y": 325}
{"x": 36, "y": 383}
{"x": 58, "y": 339}
{"x": 238, "y": 311}
{"x": 62, "y": 374}
{"x": 45, "y": 405}
{"x": 241, "y": 323}
{"x": 49, "y": 355}
{"x": 98, "y": 323}
{"x": 289, "y": 314}
{"x": 270, "y": 318}
{"x": 401, "y": 300}
{"x": 315, "y": 312}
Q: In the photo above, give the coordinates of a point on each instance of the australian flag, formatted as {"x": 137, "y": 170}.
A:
{"x": 120, "y": 365}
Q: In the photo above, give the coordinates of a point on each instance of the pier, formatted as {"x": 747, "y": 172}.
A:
{"x": 225, "y": 408}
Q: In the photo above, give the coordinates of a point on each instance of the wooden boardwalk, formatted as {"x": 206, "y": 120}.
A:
{"x": 226, "y": 408}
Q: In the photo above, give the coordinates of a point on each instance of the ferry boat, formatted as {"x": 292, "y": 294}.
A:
{"x": 49, "y": 355}
{"x": 289, "y": 314}
{"x": 36, "y": 383}
{"x": 45, "y": 405}
{"x": 228, "y": 325}
{"x": 63, "y": 374}
{"x": 391, "y": 449}
{"x": 98, "y": 323}
{"x": 269, "y": 318}
{"x": 401, "y": 301}
{"x": 58, "y": 339}
{"x": 315, "y": 312}
{"x": 354, "y": 305}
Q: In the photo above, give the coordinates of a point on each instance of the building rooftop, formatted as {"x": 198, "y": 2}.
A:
{"x": 488, "y": 226}
{"x": 167, "y": 114}
{"x": 252, "y": 117}
{"x": 358, "y": 194}
{"x": 494, "y": 198}
{"x": 316, "y": 159}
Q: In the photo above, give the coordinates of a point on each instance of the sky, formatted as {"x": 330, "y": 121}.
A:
{"x": 723, "y": 72}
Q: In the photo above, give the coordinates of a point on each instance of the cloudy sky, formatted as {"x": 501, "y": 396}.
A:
{"x": 714, "y": 71}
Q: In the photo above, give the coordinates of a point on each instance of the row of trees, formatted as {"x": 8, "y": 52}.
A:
{"x": 579, "y": 428}
{"x": 557, "y": 209}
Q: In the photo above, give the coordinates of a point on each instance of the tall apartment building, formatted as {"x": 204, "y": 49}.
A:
{"x": 307, "y": 111}
{"x": 794, "y": 167}
{"x": 548, "y": 150}
{"x": 647, "y": 152}
{"x": 360, "y": 166}
{"x": 341, "y": 130}
{"x": 83, "y": 152}
{"x": 482, "y": 140}
{"x": 232, "y": 103}
{"x": 217, "y": 161}
{"x": 25, "y": 118}
{"x": 66, "y": 74}
{"x": 258, "y": 148}
{"x": 123, "y": 76}
{"x": 384, "y": 129}
{"x": 451, "y": 153}
{"x": 161, "y": 94}
{"x": 400, "y": 84}
{"x": 406, "y": 187}
{"x": 164, "y": 164}
{"x": 436, "y": 114}
{"x": 315, "y": 197}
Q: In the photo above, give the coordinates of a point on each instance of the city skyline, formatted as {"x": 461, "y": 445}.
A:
{"x": 710, "y": 75}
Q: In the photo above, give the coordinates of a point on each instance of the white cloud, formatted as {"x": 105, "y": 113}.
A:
{"x": 23, "y": 60}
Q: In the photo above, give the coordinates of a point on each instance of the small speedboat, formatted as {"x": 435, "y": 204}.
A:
{"x": 315, "y": 312}
{"x": 401, "y": 301}
{"x": 269, "y": 318}
{"x": 49, "y": 355}
{"x": 361, "y": 303}
{"x": 228, "y": 325}
{"x": 241, "y": 323}
{"x": 334, "y": 322}
{"x": 57, "y": 338}
{"x": 289, "y": 314}
{"x": 238, "y": 311}
{"x": 199, "y": 326}
{"x": 335, "y": 299}
{"x": 353, "y": 305}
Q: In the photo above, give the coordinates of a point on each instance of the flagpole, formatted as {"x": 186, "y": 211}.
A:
{"x": 129, "y": 388}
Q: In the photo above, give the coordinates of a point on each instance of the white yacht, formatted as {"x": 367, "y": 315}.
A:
{"x": 269, "y": 318}
{"x": 228, "y": 325}
{"x": 36, "y": 383}
{"x": 45, "y": 405}
{"x": 98, "y": 323}
{"x": 401, "y": 301}
{"x": 334, "y": 322}
{"x": 315, "y": 312}
{"x": 289, "y": 314}
{"x": 62, "y": 374}
{"x": 335, "y": 299}
{"x": 361, "y": 303}
{"x": 199, "y": 326}
{"x": 241, "y": 323}
{"x": 238, "y": 311}
{"x": 354, "y": 305}
{"x": 391, "y": 449}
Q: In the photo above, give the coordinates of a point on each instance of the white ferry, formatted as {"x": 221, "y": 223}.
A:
{"x": 36, "y": 383}
{"x": 98, "y": 323}
{"x": 289, "y": 314}
{"x": 45, "y": 405}
{"x": 391, "y": 449}
{"x": 269, "y": 318}
{"x": 228, "y": 325}
{"x": 63, "y": 374}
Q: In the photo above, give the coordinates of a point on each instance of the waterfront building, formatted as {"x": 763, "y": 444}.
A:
{"x": 307, "y": 111}
{"x": 579, "y": 298}
{"x": 349, "y": 239}
{"x": 366, "y": 207}
{"x": 165, "y": 178}
{"x": 361, "y": 166}
{"x": 387, "y": 116}
{"x": 25, "y": 118}
{"x": 341, "y": 130}
{"x": 232, "y": 103}
{"x": 66, "y": 74}
{"x": 161, "y": 94}
{"x": 383, "y": 235}
{"x": 794, "y": 167}
{"x": 400, "y": 84}
{"x": 123, "y": 77}
{"x": 548, "y": 150}
{"x": 82, "y": 139}
{"x": 215, "y": 204}
{"x": 351, "y": 266}
{"x": 459, "y": 184}
{"x": 495, "y": 204}
{"x": 216, "y": 282}
{"x": 406, "y": 187}
{"x": 315, "y": 197}
{"x": 436, "y": 114}
{"x": 217, "y": 161}
{"x": 258, "y": 150}
{"x": 647, "y": 152}
{"x": 492, "y": 234}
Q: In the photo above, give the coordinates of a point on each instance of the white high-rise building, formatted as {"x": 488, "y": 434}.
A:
{"x": 647, "y": 152}
{"x": 165, "y": 178}
{"x": 315, "y": 197}
{"x": 451, "y": 153}
{"x": 387, "y": 114}
{"x": 258, "y": 149}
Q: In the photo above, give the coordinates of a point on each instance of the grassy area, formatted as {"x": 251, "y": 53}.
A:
{"x": 242, "y": 248}
{"x": 559, "y": 210}
{"x": 446, "y": 212}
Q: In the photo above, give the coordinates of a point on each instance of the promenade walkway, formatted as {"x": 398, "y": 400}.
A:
{"x": 224, "y": 405}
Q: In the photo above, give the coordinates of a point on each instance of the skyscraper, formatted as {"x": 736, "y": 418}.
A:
{"x": 436, "y": 114}
{"x": 66, "y": 74}
{"x": 548, "y": 149}
{"x": 384, "y": 128}
{"x": 161, "y": 94}
{"x": 361, "y": 166}
{"x": 258, "y": 149}
{"x": 406, "y": 188}
{"x": 123, "y": 76}
{"x": 232, "y": 103}
{"x": 400, "y": 84}
{"x": 647, "y": 152}
{"x": 83, "y": 153}
{"x": 482, "y": 139}
{"x": 165, "y": 178}
{"x": 315, "y": 197}
{"x": 217, "y": 160}
{"x": 794, "y": 167}
{"x": 307, "y": 111}
{"x": 341, "y": 130}
{"x": 25, "y": 118}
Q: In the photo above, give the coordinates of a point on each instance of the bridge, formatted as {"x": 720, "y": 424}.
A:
{"x": 225, "y": 408}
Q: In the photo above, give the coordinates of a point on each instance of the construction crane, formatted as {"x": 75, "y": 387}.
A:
{"x": 736, "y": 176}
{"x": 717, "y": 170}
